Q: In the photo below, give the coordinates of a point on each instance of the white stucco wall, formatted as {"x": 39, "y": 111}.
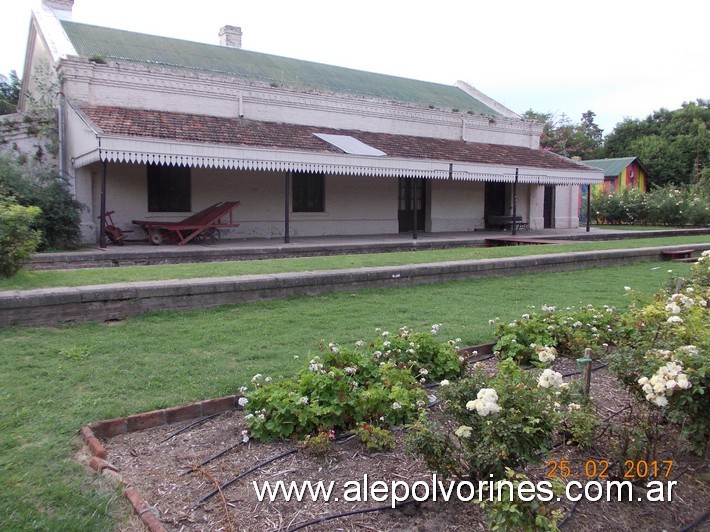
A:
{"x": 18, "y": 139}
{"x": 353, "y": 205}
{"x": 456, "y": 206}
{"x": 566, "y": 211}
{"x": 536, "y": 203}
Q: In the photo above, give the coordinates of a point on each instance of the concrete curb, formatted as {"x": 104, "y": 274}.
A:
{"x": 53, "y": 306}
{"x": 245, "y": 250}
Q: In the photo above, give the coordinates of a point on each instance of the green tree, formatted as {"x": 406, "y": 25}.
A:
{"x": 9, "y": 93}
{"x": 560, "y": 135}
{"x": 18, "y": 240}
{"x": 673, "y": 145}
{"x": 36, "y": 184}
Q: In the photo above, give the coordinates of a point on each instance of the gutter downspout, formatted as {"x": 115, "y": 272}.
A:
{"x": 287, "y": 205}
{"x": 61, "y": 136}
{"x": 515, "y": 201}
{"x": 589, "y": 204}
{"x": 102, "y": 218}
{"x": 414, "y": 208}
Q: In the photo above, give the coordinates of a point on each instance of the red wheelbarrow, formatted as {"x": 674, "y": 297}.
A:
{"x": 203, "y": 226}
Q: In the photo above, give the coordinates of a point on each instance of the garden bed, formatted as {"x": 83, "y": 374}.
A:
{"x": 157, "y": 468}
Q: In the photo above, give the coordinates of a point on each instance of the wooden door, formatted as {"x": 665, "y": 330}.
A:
{"x": 412, "y": 199}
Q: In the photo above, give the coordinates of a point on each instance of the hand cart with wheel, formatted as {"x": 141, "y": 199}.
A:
{"x": 202, "y": 226}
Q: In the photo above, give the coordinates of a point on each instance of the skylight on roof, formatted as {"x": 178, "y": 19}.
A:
{"x": 350, "y": 145}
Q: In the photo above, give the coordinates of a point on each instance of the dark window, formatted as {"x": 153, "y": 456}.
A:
{"x": 308, "y": 192}
{"x": 168, "y": 188}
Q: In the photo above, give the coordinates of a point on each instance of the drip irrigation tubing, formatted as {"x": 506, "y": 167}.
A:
{"x": 194, "y": 423}
{"x": 579, "y": 372}
{"x": 569, "y": 514}
{"x": 212, "y": 458}
{"x": 340, "y": 439}
{"x": 482, "y": 359}
{"x": 245, "y": 473}
{"x": 697, "y": 521}
{"x": 346, "y": 514}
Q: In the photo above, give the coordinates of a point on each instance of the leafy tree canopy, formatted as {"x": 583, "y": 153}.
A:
{"x": 560, "y": 135}
{"x": 9, "y": 93}
{"x": 673, "y": 145}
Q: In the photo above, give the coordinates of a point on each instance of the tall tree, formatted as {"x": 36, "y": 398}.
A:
{"x": 674, "y": 145}
{"x": 9, "y": 93}
{"x": 560, "y": 135}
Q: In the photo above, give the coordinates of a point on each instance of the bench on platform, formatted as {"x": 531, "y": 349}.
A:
{"x": 503, "y": 222}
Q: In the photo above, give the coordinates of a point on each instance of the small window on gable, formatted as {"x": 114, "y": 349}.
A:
{"x": 169, "y": 188}
{"x": 308, "y": 192}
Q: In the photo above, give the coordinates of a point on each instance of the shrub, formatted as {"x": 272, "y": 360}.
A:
{"x": 667, "y": 205}
{"x": 428, "y": 357}
{"x": 530, "y": 339}
{"x": 344, "y": 387}
{"x": 514, "y": 513}
{"x": 17, "y": 238}
{"x": 504, "y": 421}
{"x": 375, "y": 438}
{"x": 667, "y": 366}
{"x": 41, "y": 186}
{"x": 319, "y": 444}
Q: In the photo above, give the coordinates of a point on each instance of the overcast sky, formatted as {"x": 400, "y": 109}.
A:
{"x": 621, "y": 58}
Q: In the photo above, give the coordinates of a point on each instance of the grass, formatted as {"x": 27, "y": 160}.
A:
{"x": 620, "y": 227}
{"x": 91, "y": 276}
{"x": 54, "y": 380}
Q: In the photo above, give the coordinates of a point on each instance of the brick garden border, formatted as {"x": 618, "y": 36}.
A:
{"x": 124, "y": 425}
{"x": 109, "y": 428}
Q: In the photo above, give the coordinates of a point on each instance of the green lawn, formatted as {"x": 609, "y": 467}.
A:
{"x": 54, "y": 380}
{"x": 90, "y": 276}
{"x": 620, "y": 227}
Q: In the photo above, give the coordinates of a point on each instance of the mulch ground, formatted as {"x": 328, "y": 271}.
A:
{"x": 165, "y": 473}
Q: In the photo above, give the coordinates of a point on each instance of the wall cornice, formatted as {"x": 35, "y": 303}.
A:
{"x": 118, "y": 83}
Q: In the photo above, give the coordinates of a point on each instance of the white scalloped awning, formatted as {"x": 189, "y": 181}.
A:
{"x": 95, "y": 147}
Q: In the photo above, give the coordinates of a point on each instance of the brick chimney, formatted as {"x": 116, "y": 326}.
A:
{"x": 230, "y": 36}
{"x": 61, "y": 8}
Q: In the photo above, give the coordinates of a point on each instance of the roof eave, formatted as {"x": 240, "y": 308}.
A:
{"x": 118, "y": 149}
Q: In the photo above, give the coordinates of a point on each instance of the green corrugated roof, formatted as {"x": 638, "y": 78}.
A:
{"x": 611, "y": 167}
{"x": 113, "y": 44}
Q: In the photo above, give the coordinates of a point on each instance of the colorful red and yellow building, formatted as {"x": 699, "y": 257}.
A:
{"x": 619, "y": 174}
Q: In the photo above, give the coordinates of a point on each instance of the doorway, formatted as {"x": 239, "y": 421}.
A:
{"x": 412, "y": 199}
{"x": 494, "y": 200}
{"x": 548, "y": 208}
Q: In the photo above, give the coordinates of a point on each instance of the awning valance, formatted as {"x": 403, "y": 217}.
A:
{"x": 271, "y": 147}
{"x": 142, "y": 151}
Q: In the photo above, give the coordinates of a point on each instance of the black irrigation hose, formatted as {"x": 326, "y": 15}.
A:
{"x": 579, "y": 372}
{"x": 569, "y": 514}
{"x": 196, "y": 422}
{"x": 243, "y": 474}
{"x": 437, "y": 402}
{"x": 340, "y": 439}
{"x": 346, "y": 514}
{"x": 697, "y": 521}
{"x": 212, "y": 458}
{"x": 482, "y": 359}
